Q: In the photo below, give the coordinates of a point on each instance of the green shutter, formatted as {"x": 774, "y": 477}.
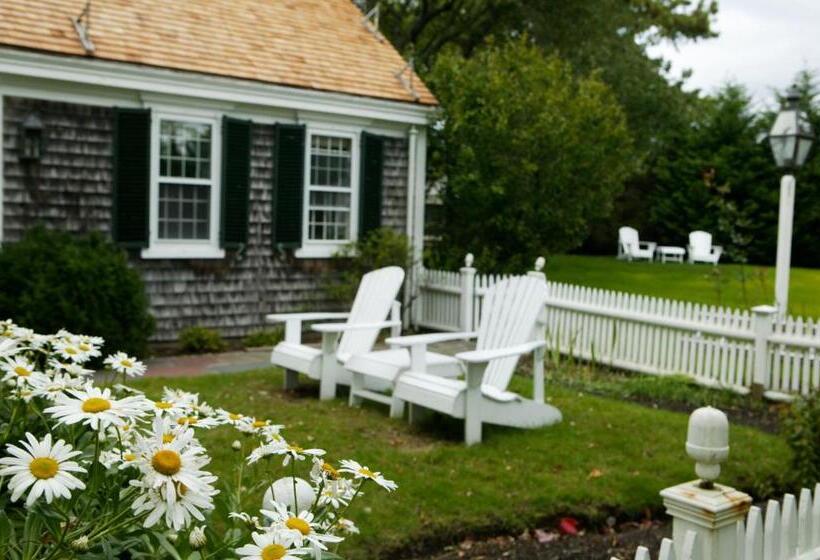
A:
{"x": 372, "y": 173}
{"x": 288, "y": 185}
{"x": 236, "y": 179}
{"x": 132, "y": 176}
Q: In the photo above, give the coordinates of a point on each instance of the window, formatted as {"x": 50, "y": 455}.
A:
{"x": 330, "y": 189}
{"x": 184, "y": 188}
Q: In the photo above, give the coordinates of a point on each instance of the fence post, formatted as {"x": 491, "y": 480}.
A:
{"x": 708, "y": 509}
{"x": 538, "y": 271}
{"x": 762, "y": 326}
{"x": 467, "y": 293}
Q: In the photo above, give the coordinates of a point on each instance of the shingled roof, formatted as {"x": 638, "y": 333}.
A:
{"x": 315, "y": 44}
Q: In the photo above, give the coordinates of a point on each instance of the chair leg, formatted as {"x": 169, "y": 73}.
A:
{"x": 397, "y": 408}
{"x": 472, "y": 429}
{"x": 472, "y": 404}
{"x": 356, "y": 385}
{"x": 291, "y": 380}
{"x": 327, "y": 381}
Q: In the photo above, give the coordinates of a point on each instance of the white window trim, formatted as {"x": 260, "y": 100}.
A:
{"x": 193, "y": 248}
{"x": 325, "y": 248}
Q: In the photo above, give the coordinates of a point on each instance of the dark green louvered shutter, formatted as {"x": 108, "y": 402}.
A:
{"x": 288, "y": 185}
{"x": 372, "y": 172}
{"x": 132, "y": 176}
{"x": 236, "y": 179}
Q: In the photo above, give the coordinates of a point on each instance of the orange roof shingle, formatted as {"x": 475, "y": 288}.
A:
{"x": 315, "y": 44}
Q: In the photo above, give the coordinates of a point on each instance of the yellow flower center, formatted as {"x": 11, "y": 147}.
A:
{"x": 364, "y": 471}
{"x": 259, "y": 423}
{"x": 167, "y": 462}
{"x": 234, "y": 417}
{"x": 167, "y": 438}
{"x": 22, "y": 371}
{"x": 95, "y": 405}
{"x": 273, "y": 552}
{"x": 295, "y": 448}
{"x": 187, "y": 420}
{"x": 298, "y": 524}
{"x": 85, "y": 347}
{"x": 44, "y": 467}
{"x": 163, "y": 405}
{"x": 126, "y": 363}
{"x": 128, "y": 457}
{"x": 331, "y": 472}
{"x": 182, "y": 489}
{"x": 70, "y": 350}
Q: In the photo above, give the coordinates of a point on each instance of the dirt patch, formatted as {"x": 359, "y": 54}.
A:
{"x": 547, "y": 545}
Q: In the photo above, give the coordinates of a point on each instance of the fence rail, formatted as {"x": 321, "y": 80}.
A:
{"x": 716, "y": 346}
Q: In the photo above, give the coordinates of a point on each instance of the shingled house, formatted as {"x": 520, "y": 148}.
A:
{"x": 230, "y": 145}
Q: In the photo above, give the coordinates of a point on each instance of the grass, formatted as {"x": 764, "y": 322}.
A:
{"x": 607, "y": 457}
{"x": 727, "y": 284}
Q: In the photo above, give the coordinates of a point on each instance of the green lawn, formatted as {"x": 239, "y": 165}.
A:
{"x": 729, "y": 284}
{"x": 607, "y": 456}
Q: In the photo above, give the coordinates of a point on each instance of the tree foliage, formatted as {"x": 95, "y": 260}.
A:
{"x": 531, "y": 154}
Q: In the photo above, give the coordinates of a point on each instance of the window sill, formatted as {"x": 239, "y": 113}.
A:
{"x": 183, "y": 252}
{"x": 319, "y": 251}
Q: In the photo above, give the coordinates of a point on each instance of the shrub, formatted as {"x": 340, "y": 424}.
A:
{"x": 265, "y": 337}
{"x": 53, "y": 280}
{"x": 381, "y": 247}
{"x": 803, "y": 435}
{"x": 201, "y": 340}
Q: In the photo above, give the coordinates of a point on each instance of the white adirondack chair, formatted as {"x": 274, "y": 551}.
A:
{"x": 630, "y": 247}
{"x": 509, "y": 328}
{"x": 701, "y": 248}
{"x": 374, "y": 301}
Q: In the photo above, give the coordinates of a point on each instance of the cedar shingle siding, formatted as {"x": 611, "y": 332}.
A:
{"x": 72, "y": 191}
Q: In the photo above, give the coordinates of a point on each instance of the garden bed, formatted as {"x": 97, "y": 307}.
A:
{"x": 608, "y": 458}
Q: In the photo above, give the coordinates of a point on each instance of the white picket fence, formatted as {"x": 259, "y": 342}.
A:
{"x": 716, "y": 346}
{"x": 788, "y": 530}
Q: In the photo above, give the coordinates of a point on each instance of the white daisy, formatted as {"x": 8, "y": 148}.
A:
{"x": 232, "y": 418}
{"x": 123, "y": 363}
{"x": 198, "y": 422}
{"x": 268, "y": 546}
{"x": 43, "y": 467}
{"x": 250, "y": 520}
{"x": 96, "y": 408}
{"x": 336, "y": 493}
{"x": 179, "y": 510}
{"x": 50, "y": 387}
{"x": 70, "y": 368}
{"x": 360, "y": 472}
{"x": 347, "y": 526}
{"x": 20, "y": 371}
{"x": 172, "y": 408}
{"x": 168, "y": 465}
{"x": 297, "y": 531}
{"x": 68, "y": 349}
{"x": 291, "y": 452}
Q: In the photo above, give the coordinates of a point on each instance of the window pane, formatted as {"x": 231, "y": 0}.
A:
{"x": 185, "y": 149}
{"x": 330, "y": 159}
{"x": 184, "y": 211}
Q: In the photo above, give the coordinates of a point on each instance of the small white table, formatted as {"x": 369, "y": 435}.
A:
{"x": 670, "y": 253}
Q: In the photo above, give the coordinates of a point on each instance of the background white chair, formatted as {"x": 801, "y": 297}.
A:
{"x": 701, "y": 248}
{"x": 375, "y": 300}
{"x": 630, "y": 247}
{"x": 509, "y": 328}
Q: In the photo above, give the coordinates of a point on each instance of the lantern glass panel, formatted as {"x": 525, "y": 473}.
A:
{"x": 803, "y": 148}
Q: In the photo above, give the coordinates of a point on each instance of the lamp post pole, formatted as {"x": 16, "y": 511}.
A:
{"x": 790, "y": 138}
{"x": 785, "y": 225}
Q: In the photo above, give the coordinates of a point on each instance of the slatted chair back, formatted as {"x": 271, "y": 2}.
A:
{"x": 628, "y": 238}
{"x": 700, "y": 242}
{"x": 509, "y": 317}
{"x": 374, "y": 299}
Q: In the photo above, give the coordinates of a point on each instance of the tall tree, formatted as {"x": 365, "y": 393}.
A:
{"x": 531, "y": 154}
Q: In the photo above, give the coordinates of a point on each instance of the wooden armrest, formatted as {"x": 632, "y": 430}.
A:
{"x": 432, "y": 338}
{"x": 342, "y": 327}
{"x": 484, "y": 356}
{"x": 283, "y": 317}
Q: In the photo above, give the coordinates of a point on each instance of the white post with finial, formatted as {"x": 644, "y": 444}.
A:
{"x": 708, "y": 509}
{"x": 538, "y": 271}
{"x": 467, "y": 293}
